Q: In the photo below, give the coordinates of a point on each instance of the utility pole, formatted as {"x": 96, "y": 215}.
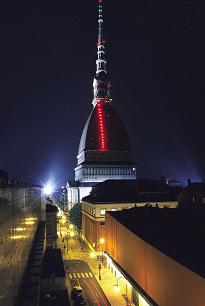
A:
{"x": 99, "y": 268}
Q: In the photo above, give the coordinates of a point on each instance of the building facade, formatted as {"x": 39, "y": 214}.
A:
{"x": 20, "y": 211}
{"x": 159, "y": 264}
{"x": 119, "y": 195}
{"x": 104, "y": 150}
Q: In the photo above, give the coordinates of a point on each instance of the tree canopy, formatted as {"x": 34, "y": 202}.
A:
{"x": 76, "y": 215}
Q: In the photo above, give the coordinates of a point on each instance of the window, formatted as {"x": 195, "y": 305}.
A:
{"x": 102, "y": 212}
{"x": 113, "y": 209}
{"x": 102, "y": 223}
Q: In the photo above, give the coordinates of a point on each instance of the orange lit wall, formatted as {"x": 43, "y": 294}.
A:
{"x": 165, "y": 281}
{"x": 92, "y": 230}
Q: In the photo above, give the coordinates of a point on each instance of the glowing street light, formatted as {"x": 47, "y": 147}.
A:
{"x": 72, "y": 234}
{"x": 63, "y": 221}
{"x": 117, "y": 288}
{"x": 102, "y": 241}
{"x": 71, "y": 226}
{"x": 92, "y": 255}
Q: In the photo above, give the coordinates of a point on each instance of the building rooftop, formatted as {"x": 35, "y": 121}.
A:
{"x": 178, "y": 233}
{"x": 132, "y": 191}
{"x": 52, "y": 265}
{"x": 80, "y": 184}
{"x": 50, "y": 208}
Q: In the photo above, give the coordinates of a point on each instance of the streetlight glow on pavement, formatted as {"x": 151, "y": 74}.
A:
{"x": 117, "y": 288}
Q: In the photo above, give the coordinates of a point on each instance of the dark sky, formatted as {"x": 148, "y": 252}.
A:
{"x": 156, "y": 61}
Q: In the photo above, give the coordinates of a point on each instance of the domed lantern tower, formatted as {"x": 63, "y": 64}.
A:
{"x": 104, "y": 150}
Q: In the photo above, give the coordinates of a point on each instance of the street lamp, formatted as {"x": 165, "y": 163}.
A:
{"x": 92, "y": 255}
{"x": 99, "y": 269}
{"x": 71, "y": 226}
{"x": 102, "y": 241}
{"x": 61, "y": 222}
{"x": 117, "y": 288}
{"x": 67, "y": 241}
{"x": 72, "y": 234}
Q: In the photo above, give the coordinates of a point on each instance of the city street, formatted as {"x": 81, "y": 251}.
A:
{"x": 80, "y": 274}
{"x": 82, "y": 268}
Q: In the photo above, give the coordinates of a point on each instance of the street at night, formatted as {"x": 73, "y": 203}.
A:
{"x": 102, "y": 167}
{"x": 80, "y": 274}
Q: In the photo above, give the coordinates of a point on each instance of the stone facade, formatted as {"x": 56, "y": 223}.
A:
{"x": 20, "y": 210}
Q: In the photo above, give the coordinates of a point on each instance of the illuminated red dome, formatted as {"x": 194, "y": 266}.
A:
{"x": 104, "y": 131}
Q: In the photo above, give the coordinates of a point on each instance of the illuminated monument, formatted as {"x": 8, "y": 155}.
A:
{"x": 104, "y": 150}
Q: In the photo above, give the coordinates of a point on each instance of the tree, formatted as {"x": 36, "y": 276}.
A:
{"x": 76, "y": 215}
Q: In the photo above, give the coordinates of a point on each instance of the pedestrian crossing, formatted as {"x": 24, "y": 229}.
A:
{"x": 80, "y": 275}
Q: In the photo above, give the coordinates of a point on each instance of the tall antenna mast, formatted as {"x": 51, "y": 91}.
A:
{"x": 101, "y": 84}
{"x": 100, "y": 62}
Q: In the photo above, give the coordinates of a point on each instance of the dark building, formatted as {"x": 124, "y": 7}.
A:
{"x": 51, "y": 225}
{"x": 135, "y": 191}
{"x": 53, "y": 289}
{"x": 3, "y": 178}
{"x": 193, "y": 194}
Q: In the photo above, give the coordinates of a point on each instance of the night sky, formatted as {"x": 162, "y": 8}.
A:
{"x": 156, "y": 62}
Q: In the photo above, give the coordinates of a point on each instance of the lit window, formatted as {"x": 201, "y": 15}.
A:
{"x": 102, "y": 212}
{"x": 113, "y": 209}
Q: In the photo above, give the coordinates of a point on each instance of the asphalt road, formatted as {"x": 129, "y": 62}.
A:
{"x": 80, "y": 274}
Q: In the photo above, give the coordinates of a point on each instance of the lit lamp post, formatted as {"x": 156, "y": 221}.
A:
{"x": 102, "y": 241}
{"x": 67, "y": 241}
{"x": 71, "y": 226}
{"x": 117, "y": 288}
{"x": 72, "y": 234}
{"x": 99, "y": 269}
{"x": 61, "y": 222}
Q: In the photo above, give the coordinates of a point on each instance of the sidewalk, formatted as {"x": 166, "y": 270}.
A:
{"x": 107, "y": 282}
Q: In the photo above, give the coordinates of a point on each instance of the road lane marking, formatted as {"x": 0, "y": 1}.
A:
{"x": 80, "y": 275}
{"x": 100, "y": 293}
{"x": 89, "y": 288}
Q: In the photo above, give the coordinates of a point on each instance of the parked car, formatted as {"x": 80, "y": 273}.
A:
{"x": 76, "y": 291}
{"x": 78, "y": 296}
{"x": 80, "y": 300}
